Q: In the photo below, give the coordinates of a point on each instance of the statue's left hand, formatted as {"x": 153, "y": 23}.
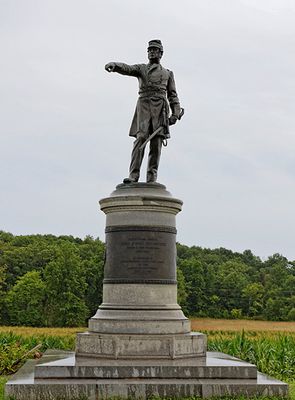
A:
{"x": 172, "y": 120}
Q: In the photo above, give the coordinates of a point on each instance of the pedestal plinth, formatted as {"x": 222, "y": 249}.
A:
{"x": 140, "y": 285}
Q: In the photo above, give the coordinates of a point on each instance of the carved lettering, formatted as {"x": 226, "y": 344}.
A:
{"x": 140, "y": 255}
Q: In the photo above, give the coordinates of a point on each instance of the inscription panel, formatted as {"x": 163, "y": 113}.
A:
{"x": 140, "y": 255}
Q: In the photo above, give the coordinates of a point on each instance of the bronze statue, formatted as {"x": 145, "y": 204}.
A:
{"x": 151, "y": 119}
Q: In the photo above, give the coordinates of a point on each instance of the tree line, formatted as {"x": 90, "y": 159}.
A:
{"x": 47, "y": 280}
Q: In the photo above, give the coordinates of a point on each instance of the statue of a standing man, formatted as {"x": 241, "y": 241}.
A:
{"x": 157, "y": 92}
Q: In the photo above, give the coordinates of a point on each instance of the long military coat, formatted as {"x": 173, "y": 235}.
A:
{"x": 156, "y": 92}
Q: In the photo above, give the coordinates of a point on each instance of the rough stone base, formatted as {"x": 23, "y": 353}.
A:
{"x": 141, "y": 346}
{"x": 61, "y": 375}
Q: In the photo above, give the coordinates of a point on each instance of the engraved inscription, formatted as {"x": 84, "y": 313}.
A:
{"x": 142, "y": 252}
{"x": 139, "y": 254}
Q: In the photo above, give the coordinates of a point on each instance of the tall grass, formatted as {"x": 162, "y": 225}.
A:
{"x": 272, "y": 353}
{"x": 14, "y": 348}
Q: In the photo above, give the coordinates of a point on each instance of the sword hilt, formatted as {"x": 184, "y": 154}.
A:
{"x": 181, "y": 113}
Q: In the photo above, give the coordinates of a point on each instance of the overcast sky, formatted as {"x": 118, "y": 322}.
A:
{"x": 64, "y": 121}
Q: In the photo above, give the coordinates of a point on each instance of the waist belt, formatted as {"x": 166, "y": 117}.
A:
{"x": 152, "y": 93}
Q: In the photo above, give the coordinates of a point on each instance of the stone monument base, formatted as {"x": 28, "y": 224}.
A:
{"x": 62, "y": 375}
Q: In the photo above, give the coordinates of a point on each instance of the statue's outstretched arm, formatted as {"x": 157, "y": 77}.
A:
{"x": 123, "y": 69}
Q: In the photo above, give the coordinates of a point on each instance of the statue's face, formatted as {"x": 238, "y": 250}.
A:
{"x": 154, "y": 54}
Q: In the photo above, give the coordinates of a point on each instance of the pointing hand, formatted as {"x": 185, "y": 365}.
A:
{"x": 110, "y": 67}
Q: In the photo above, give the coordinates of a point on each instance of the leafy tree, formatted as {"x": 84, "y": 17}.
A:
{"x": 181, "y": 289}
{"x": 93, "y": 270}
{"x": 6, "y": 237}
{"x": 2, "y": 293}
{"x": 232, "y": 277}
{"x": 21, "y": 259}
{"x": 193, "y": 272}
{"x": 25, "y": 301}
{"x": 253, "y": 294}
{"x": 65, "y": 288}
{"x": 250, "y": 259}
{"x": 92, "y": 253}
{"x": 291, "y": 314}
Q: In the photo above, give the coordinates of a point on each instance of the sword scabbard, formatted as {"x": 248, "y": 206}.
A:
{"x": 150, "y": 137}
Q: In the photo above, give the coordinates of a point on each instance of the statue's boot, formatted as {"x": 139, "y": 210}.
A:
{"x": 129, "y": 180}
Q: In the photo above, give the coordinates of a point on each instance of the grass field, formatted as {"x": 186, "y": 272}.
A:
{"x": 270, "y": 345}
{"x": 198, "y": 324}
{"x": 210, "y": 324}
{"x": 29, "y": 331}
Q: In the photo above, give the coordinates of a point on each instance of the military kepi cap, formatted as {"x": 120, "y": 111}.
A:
{"x": 155, "y": 43}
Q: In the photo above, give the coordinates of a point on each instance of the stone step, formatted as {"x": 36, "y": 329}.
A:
{"x": 24, "y": 386}
{"x": 215, "y": 365}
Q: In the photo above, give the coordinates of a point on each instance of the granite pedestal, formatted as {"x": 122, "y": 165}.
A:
{"x": 139, "y": 343}
{"x": 139, "y": 316}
